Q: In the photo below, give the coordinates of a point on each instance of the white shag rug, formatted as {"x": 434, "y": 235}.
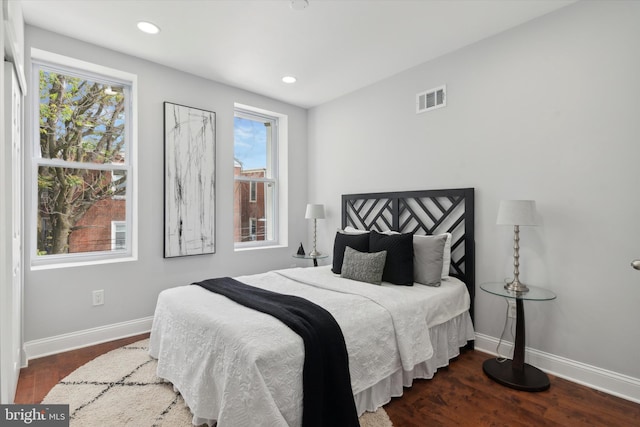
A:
{"x": 120, "y": 388}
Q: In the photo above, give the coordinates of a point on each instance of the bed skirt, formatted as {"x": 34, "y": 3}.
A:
{"x": 446, "y": 338}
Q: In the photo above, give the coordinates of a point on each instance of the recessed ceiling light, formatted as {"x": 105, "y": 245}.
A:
{"x": 289, "y": 79}
{"x": 148, "y": 27}
{"x": 299, "y": 4}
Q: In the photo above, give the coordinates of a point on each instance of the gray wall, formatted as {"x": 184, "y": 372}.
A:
{"x": 546, "y": 111}
{"x": 58, "y": 301}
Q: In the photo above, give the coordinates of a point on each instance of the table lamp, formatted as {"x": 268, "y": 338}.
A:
{"x": 314, "y": 212}
{"x": 517, "y": 213}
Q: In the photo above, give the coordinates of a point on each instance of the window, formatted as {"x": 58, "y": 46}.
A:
{"x": 253, "y": 192}
{"x": 118, "y": 235}
{"x": 256, "y": 174}
{"x": 83, "y": 160}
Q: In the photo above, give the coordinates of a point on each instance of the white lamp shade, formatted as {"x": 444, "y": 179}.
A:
{"x": 517, "y": 212}
{"x": 314, "y": 211}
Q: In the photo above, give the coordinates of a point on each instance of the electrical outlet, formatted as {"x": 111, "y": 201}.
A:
{"x": 512, "y": 308}
{"x": 98, "y": 297}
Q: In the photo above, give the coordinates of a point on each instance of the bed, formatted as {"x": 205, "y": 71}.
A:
{"x": 236, "y": 366}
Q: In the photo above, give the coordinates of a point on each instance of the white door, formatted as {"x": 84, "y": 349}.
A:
{"x": 11, "y": 217}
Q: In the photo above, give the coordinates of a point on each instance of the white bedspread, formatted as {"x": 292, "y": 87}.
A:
{"x": 243, "y": 368}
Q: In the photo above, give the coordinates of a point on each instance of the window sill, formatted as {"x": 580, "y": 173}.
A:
{"x": 258, "y": 247}
{"x": 70, "y": 264}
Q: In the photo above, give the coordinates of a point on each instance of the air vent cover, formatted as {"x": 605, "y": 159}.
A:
{"x": 431, "y": 99}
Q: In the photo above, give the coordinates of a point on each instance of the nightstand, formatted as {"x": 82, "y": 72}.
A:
{"x": 315, "y": 258}
{"x": 515, "y": 373}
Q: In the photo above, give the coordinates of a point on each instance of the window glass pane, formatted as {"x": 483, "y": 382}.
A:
{"x": 251, "y": 143}
{"x": 81, "y": 120}
{"x": 76, "y": 208}
{"x": 253, "y": 220}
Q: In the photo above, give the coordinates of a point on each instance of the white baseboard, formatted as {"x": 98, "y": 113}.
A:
{"x": 74, "y": 340}
{"x": 606, "y": 381}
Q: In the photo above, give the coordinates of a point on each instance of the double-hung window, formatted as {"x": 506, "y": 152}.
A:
{"x": 83, "y": 159}
{"x": 118, "y": 235}
{"x": 256, "y": 184}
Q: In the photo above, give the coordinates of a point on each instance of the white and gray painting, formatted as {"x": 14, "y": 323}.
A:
{"x": 190, "y": 159}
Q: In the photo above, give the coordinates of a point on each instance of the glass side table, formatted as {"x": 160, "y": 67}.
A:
{"x": 315, "y": 258}
{"x": 515, "y": 373}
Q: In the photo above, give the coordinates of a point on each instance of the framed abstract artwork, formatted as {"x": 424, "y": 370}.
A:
{"x": 189, "y": 181}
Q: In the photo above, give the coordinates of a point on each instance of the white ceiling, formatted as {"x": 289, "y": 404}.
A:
{"x": 333, "y": 47}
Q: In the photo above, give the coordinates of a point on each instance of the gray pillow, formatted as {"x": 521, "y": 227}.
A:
{"x": 362, "y": 266}
{"x": 428, "y": 253}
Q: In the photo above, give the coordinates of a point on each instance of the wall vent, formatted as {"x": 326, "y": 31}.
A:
{"x": 431, "y": 99}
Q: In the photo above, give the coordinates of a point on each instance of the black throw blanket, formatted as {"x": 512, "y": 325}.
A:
{"x": 326, "y": 383}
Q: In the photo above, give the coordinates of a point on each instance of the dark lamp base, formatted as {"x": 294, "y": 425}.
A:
{"x": 529, "y": 379}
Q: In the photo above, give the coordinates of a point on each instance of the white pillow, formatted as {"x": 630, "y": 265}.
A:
{"x": 350, "y": 230}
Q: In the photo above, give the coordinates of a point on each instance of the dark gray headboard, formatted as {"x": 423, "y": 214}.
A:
{"x": 421, "y": 212}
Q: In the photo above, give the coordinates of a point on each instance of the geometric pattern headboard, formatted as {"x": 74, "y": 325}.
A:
{"x": 421, "y": 212}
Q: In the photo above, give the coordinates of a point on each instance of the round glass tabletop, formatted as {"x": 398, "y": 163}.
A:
{"x": 321, "y": 256}
{"x": 534, "y": 294}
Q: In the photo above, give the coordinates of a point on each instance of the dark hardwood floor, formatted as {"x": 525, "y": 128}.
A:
{"x": 459, "y": 395}
{"x": 42, "y": 374}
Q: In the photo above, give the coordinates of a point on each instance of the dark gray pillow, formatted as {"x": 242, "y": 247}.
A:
{"x": 428, "y": 256}
{"x": 362, "y": 266}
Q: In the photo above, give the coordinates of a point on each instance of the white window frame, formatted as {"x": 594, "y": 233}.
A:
{"x": 95, "y": 72}
{"x": 277, "y": 155}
